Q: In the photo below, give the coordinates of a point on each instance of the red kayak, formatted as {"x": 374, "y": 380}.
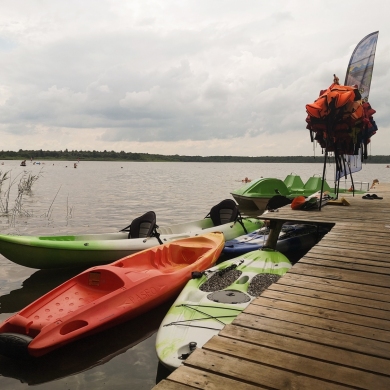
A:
{"x": 103, "y": 296}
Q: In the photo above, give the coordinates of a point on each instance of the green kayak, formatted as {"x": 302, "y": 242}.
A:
{"x": 214, "y": 298}
{"x": 95, "y": 249}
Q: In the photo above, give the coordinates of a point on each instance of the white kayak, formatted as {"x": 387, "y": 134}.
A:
{"x": 214, "y": 298}
{"x": 88, "y": 250}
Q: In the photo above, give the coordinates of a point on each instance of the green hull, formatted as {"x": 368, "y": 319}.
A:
{"x": 215, "y": 299}
{"x": 255, "y": 195}
{"x": 96, "y": 249}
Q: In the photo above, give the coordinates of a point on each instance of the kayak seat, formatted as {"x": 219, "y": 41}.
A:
{"x": 143, "y": 226}
{"x": 294, "y": 183}
{"x": 314, "y": 184}
{"x": 224, "y": 212}
{"x": 160, "y": 258}
{"x": 170, "y": 258}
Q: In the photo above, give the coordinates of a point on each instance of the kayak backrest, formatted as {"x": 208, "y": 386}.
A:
{"x": 143, "y": 226}
{"x": 264, "y": 187}
{"x": 293, "y": 182}
{"x": 314, "y": 184}
{"x": 224, "y": 212}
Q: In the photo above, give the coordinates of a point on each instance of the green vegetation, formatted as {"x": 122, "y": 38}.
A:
{"x": 25, "y": 184}
{"x": 94, "y": 155}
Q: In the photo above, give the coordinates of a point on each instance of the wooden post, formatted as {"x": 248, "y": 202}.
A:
{"x": 275, "y": 228}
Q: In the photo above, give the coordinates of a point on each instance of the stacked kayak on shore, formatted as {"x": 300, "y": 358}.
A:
{"x": 103, "y": 296}
{"x": 86, "y": 250}
{"x": 213, "y": 299}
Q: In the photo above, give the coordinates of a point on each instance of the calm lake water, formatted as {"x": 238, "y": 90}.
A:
{"x": 105, "y": 197}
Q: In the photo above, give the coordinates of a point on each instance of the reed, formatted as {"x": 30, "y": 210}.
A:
{"x": 27, "y": 181}
{"x": 24, "y": 186}
{"x": 3, "y": 178}
{"x": 69, "y": 209}
{"x": 50, "y": 209}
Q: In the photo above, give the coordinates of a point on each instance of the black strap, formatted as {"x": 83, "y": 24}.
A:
{"x": 126, "y": 229}
{"x": 241, "y": 222}
{"x": 156, "y": 234}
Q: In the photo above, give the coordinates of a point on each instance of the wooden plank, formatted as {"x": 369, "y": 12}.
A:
{"x": 367, "y": 247}
{"x": 359, "y": 211}
{"x": 361, "y": 234}
{"x": 325, "y": 324}
{"x": 345, "y": 259}
{"x": 329, "y": 310}
{"x": 377, "y": 259}
{"x": 367, "y": 315}
{"x": 331, "y": 296}
{"x": 381, "y": 242}
{"x": 199, "y": 379}
{"x": 256, "y": 374}
{"x": 328, "y": 215}
{"x": 170, "y": 385}
{"x": 337, "y": 273}
{"x": 318, "y": 318}
{"x": 307, "y": 348}
{"x": 316, "y": 219}
{"x": 356, "y": 226}
{"x": 334, "y": 214}
{"x": 351, "y": 265}
{"x": 296, "y": 363}
{"x": 359, "y": 237}
{"x": 320, "y": 333}
{"x": 359, "y": 226}
{"x": 364, "y": 236}
{"x": 353, "y": 214}
{"x": 335, "y": 286}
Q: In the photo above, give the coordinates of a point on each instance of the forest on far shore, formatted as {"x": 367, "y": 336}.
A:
{"x": 70, "y": 155}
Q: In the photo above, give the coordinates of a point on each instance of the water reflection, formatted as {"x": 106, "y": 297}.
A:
{"x": 38, "y": 284}
{"x": 102, "y": 197}
{"x": 86, "y": 353}
{"x": 162, "y": 372}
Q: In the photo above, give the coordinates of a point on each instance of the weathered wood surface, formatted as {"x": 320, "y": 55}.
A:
{"x": 323, "y": 325}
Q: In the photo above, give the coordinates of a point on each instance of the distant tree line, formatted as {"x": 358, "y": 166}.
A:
{"x": 95, "y": 155}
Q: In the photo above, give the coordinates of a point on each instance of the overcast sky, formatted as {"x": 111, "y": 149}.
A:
{"x": 201, "y": 77}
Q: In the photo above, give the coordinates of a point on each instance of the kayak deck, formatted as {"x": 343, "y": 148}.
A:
{"x": 106, "y": 295}
{"x": 94, "y": 249}
{"x": 208, "y": 303}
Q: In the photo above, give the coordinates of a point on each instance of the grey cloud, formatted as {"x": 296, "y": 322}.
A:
{"x": 194, "y": 71}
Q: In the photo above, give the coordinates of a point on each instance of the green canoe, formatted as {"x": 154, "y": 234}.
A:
{"x": 95, "y": 249}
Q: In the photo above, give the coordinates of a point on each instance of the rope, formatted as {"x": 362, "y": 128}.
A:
{"x": 207, "y": 316}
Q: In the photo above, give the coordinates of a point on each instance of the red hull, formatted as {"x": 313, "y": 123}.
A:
{"x": 103, "y": 296}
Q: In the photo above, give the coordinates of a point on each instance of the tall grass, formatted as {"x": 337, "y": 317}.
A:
{"x": 24, "y": 185}
{"x": 3, "y": 178}
{"x": 50, "y": 210}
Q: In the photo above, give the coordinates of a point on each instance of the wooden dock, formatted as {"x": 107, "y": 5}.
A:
{"x": 323, "y": 325}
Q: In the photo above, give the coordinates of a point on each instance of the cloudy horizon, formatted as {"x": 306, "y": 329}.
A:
{"x": 179, "y": 77}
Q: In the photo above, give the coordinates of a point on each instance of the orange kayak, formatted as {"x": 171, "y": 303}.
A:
{"x": 103, "y": 296}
